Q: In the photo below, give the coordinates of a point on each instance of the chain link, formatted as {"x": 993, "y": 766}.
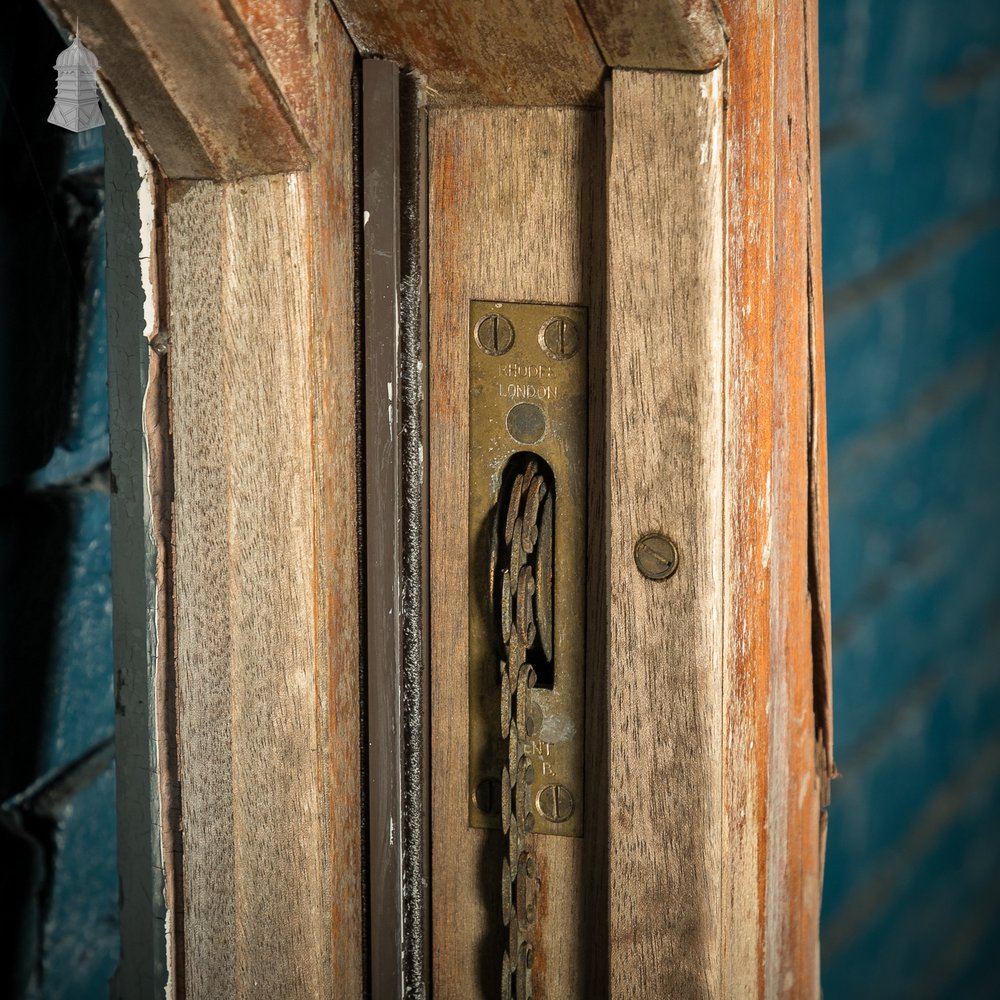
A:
{"x": 527, "y": 515}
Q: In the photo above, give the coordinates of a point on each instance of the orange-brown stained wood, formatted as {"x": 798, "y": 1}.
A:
{"x": 750, "y": 249}
{"x": 506, "y": 52}
{"x": 819, "y": 507}
{"x": 775, "y": 735}
{"x": 777, "y": 747}
{"x": 296, "y": 39}
{"x": 322, "y": 101}
{"x": 801, "y": 741}
{"x": 658, "y": 34}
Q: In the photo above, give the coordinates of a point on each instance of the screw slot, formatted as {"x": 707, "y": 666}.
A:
{"x": 555, "y": 803}
{"x": 559, "y": 338}
{"x": 495, "y": 334}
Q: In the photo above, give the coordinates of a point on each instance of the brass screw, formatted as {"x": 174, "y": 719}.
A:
{"x": 656, "y": 556}
{"x": 495, "y": 334}
{"x": 559, "y": 338}
{"x": 488, "y": 796}
{"x": 555, "y": 803}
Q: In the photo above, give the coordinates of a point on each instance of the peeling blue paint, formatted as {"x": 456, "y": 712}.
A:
{"x": 58, "y": 881}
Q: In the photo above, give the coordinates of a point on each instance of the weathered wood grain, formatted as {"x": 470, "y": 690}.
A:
{"x": 255, "y": 335}
{"x": 751, "y": 303}
{"x": 244, "y": 598}
{"x": 515, "y": 201}
{"x": 281, "y": 278}
{"x": 203, "y": 627}
{"x": 801, "y": 735}
{"x": 819, "y": 505}
{"x": 506, "y": 52}
{"x": 326, "y": 119}
{"x": 518, "y": 224}
{"x": 658, "y": 34}
{"x": 665, "y": 400}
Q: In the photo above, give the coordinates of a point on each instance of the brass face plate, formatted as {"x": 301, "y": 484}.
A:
{"x": 528, "y": 377}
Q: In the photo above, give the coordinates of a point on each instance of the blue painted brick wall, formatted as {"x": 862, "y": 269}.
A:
{"x": 910, "y": 109}
{"x": 58, "y": 880}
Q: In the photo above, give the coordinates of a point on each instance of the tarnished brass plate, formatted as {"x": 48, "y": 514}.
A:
{"x": 528, "y": 393}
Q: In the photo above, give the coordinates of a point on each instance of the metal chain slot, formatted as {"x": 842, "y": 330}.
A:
{"x": 527, "y": 457}
{"x": 521, "y": 577}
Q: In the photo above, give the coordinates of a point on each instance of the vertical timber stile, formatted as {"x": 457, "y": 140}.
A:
{"x": 524, "y": 218}
{"x": 665, "y": 399}
{"x": 231, "y": 376}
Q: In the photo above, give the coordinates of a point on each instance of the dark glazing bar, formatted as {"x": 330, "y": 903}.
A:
{"x": 383, "y": 514}
{"x": 393, "y": 162}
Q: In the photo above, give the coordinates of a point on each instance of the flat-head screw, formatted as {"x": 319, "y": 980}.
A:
{"x": 656, "y": 556}
{"x": 559, "y": 338}
{"x": 488, "y": 796}
{"x": 495, "y": 334}
{"x": 555, "y": 803}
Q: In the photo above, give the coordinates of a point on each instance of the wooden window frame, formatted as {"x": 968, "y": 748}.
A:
{"x": 231, "y": 208}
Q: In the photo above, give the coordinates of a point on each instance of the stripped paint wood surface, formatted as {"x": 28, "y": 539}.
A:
{"x": 293, "y": 713}
{"x": 720, "y": 869}
{"x": 243, "y": 593}
{"x": 774, "y": 747}
{"x": 665, "y": 402}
